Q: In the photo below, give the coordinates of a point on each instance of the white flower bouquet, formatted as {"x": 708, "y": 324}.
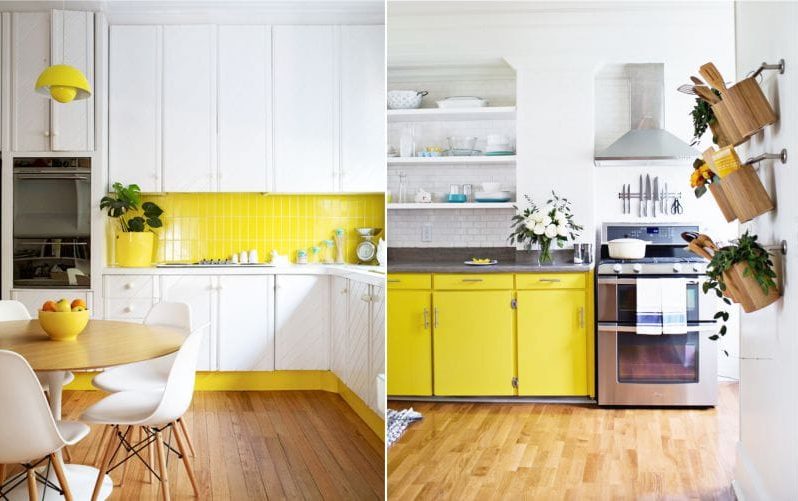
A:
{"x": 551, "y": 223}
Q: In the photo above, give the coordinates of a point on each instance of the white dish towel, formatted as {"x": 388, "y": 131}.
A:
{"x": 649, "y": 306}
{"x": 674, "y": 305}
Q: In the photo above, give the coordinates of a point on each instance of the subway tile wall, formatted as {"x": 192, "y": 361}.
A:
{"x": 215, "y": 225}
{"x": 451, "y": 227}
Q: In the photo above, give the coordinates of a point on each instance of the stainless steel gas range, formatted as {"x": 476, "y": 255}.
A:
{"x": 654, "y": 370}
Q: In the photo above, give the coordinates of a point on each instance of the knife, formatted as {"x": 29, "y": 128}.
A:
{"x": 640, "y": 193}
{"x": 656, "y": 197}
{"x": 665, "y": 199}
{"x": 629, "y": 198}
{"x": 648, "y": 195}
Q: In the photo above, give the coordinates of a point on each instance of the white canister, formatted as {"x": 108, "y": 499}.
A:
{"x": 243, "y": 258}
{"x": 252, "y": 257}
{"x": 234, "y": 258}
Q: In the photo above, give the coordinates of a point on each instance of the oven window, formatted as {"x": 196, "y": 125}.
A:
{"x": 627, "y": 303}
{"x": 658, "y": 359}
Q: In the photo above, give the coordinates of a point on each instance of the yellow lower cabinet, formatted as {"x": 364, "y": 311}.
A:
{"x": 552, "y": 342}
{"x": 473, "y": 343}
{"x": 409, "y": 343}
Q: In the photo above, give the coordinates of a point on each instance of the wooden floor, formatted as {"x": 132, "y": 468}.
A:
{"x": 556, "y": 451}
{"x": 261, "y": 445}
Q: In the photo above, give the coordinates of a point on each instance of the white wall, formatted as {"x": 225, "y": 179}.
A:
{"x": 767, "y": 457}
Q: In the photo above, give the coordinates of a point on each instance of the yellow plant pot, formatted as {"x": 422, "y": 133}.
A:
{"x": 134, "y": 249}
{"x": 63, "y": 325}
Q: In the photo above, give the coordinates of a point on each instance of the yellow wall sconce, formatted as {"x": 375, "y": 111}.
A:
{"x": 64, "y": 83}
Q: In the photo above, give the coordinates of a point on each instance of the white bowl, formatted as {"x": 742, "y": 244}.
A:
{"x": 491, "y": 187}
{"x": 462, "y": 102}
{"x": 405, "y": 99}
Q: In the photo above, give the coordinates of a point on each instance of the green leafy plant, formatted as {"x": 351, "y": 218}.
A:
{"x": 758, "y": 265}
{"x": 702, "y": 116}
{"x": 127, "y": 199}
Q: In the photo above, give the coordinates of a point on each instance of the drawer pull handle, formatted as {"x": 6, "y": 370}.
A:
{"x": 549, "y": 280}
{"x": 435, "y": 317}
{"x": 343, "y": 291}
{"x": 128, "y": 309}
{"x": 128, "y": 285}
{"x": 393, "y": 280}
{"x": 581, "y": 317}
{"x": 426, "y": 318}
{"x": 366, "y": 298}
{"x": 472, "y": 280}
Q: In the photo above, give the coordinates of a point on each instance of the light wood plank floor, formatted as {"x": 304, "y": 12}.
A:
{"x": 548, "y": 451}
{"x": 260, "y": 445}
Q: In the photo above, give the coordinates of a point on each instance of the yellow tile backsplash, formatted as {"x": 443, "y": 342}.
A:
{"x": 215, "y": 225}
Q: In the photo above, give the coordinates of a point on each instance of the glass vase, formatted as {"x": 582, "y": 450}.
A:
{"x": 544, "y": 256}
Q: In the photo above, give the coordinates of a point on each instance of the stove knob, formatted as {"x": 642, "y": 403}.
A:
{"x": 637, "y": 268}
{"x": 616, "y": 268}
{"x": 697, "y": 268}
{"x": 677, "y": 268}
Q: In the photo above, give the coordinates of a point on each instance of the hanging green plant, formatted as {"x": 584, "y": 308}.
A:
{"x": 702, "y": 117}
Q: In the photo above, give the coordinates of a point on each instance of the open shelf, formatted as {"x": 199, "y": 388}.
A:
{"x": 445, "y": 205}
{"x": 482, "y": 159}
{"x": 440, "y": 114}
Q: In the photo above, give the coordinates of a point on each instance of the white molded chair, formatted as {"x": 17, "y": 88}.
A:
{"x": 150, "y": 374}
{"x": 152, "y": 411}
{"x": 14, "y": 310}
{"x": 28, "y": 431}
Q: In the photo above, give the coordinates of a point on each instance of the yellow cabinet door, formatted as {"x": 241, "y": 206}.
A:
{"x": 473, "y": 343}
{"x": 409, "y": 343}
{"x": 552, "y": 342}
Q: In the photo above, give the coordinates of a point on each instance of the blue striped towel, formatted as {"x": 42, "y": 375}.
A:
{"x": 649, "y": 306}
{"x": 674, "y": 305}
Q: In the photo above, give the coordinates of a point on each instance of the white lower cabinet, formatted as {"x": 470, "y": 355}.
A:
{"x": 199, "y": 292}
{"x": 356, "y": 376}
{"x": 376, "y": 344}
{"x": 34, "y": 298}
{"x": 302, "y": 322}
{"x": 340, "y": 323}
{"x": 246, "y": 323}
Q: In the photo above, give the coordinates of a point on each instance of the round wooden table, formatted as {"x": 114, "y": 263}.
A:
{"x": 103, "y": 343}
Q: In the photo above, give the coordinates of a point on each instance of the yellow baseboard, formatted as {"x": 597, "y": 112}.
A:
{"x": 270, "y": 381}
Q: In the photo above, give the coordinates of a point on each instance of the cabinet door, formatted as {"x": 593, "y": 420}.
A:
{"x": 473, "y": 343}
{"x": 409, "y": 343}
{"x": 362, "y": 108}
{"x": 305, "y": 104}
{"x": 246, "y": 324}
{"x": 189, "y": 103}
{"x": 302, "y": 333}
{"x": 244, "y": 107}
{"x": 30, "y": 55}
{"x": 358, "y": 375}
{"x": 72, "y": 43}
{"x": 338, "y": 311}
{"x": 376, "y": 344}
{"x": 134, "y": 106}
{"x": 552, "y": 343}
{"x": 199, "y": 292}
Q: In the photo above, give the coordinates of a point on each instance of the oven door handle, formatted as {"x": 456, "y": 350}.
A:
{"x": 631, "y": 329}
{"x": 67, "y": 177}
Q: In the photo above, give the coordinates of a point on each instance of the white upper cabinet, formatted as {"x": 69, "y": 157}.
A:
{"x": 246, "y": 324}
{"x": 72, "y": 43}
{"x": 30, "y": 54}
{"x": 39, "y": 39}
{"x": 362, "y": 109}
{"x": 189, "y": 108}
{"x": 302, "y": 322}
{"x": 305, "y": 109}
{"x": 244, "y": 108}
{"x": 134, "y": 106}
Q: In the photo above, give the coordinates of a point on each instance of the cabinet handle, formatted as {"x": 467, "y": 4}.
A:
{"x": 128, "y": 285}
{"x": 365, "y": 297}
{"x": 550, "y": 280}
{"x": 344, "y": 291}
{"x": 393, "y": 280}
{"x": 581, "y": 317}
{"x": 426, "y": 319}
{"x": 435, "y": 317}
{"x": 128, "y": 309}
{"x": 472, "y": 280}
{"x": 47, "y": 133}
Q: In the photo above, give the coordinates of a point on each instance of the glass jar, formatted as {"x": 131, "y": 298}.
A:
{"x": 328, "y": 252}
{"x": 340, "y": 246}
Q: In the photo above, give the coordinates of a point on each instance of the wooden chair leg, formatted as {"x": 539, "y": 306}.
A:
{"x": 106, "y": 462}
{"x": 98, "y": 457}
{"x": 151, "y": 452}
{"x": 162, "y": 467}
{"x": 188, "y": 437}
{"x": 128, "y": 435}
{"x": 67, "y": 455}
{"x": 2, "y": 473}
{"x": 59, "y": 473}
{"x": 33, "y": 493}
{"x": 187, "y": 463}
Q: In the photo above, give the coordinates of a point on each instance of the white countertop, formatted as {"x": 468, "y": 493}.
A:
{"x": 374, "y": 275}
